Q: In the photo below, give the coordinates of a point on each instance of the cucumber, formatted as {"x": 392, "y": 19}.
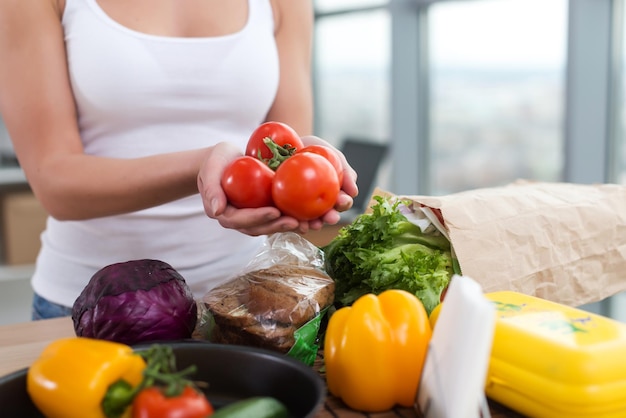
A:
{"x": 255, "y": 407}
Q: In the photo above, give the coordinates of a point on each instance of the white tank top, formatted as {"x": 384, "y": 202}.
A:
{"x": 139, "y": 94}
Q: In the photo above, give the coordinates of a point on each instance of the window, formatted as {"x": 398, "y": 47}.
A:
{"x": 352, "y": 76}
{"x": 352, "y": 90}
{"x": 496, "y": 92}
{"x": 325, "y": 6}
{"x": 501, "y": 89}
{"x": 617, "y": 304}
{"x": 619, "y": 124}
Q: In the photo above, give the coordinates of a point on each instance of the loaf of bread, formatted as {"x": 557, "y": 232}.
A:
{"x": 263, "y": 308}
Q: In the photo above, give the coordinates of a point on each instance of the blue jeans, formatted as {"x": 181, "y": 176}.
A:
{"x": 44, "y": 309}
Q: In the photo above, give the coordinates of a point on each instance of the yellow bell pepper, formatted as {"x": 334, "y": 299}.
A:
{"x": 72, "y": 377}
{"x": 434, "y": 315}
{"x": 374, "y": 350}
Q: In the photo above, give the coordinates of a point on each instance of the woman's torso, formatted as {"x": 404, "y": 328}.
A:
{"x": 146, "y": 84}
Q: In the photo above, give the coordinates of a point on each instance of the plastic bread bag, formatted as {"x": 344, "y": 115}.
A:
{"x": 277, "y": 301}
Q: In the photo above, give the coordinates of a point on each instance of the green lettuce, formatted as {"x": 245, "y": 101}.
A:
{"x": 384, "y": 250}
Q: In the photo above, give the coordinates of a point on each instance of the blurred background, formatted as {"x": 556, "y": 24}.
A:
{"x": 438, "y": 96}
{"x": 464, "y": 94}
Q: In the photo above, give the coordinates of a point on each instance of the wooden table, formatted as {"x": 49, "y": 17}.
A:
{"x": 22, "y": 343}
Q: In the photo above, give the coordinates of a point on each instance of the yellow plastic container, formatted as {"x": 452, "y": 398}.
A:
{"x": 551, "y": 360}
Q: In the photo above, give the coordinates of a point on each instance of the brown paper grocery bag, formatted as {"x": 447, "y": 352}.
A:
{"x": 558, "y": 241}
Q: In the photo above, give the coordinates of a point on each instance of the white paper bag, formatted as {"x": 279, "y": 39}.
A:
{"x": 454, "y": 374}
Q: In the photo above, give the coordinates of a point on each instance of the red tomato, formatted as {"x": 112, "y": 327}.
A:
{"x": 443, "y": 294}
{"x": 152, "y": 403}
{"x": 281, "y": 133}
{"x": 247, "y": 183}
{"x": 330, "y": 155}
{"x": 305, "y": 186}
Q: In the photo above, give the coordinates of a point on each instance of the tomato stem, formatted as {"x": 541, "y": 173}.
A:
{"x": 161, "y": 371}
{"x": 279, "y": 153}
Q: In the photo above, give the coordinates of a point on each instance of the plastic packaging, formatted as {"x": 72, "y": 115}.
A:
{"x": 551, "y": 360}
{"x": 276, "y": 302}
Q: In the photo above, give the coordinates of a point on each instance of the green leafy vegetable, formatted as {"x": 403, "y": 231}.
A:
{"x": 384, "y": 250}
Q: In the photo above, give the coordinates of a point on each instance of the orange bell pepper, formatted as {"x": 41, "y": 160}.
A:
{"x": 374, "y": 350}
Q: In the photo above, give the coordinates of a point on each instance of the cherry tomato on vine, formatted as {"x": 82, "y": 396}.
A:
{"x": 281, "y": 133}
{"x": 152, "y": 403}
{"x": 247, "y": 183}
{"x": 305, "y": 186}
{"x": 329, "y": 154}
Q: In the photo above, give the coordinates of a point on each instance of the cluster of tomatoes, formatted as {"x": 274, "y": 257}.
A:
{"x": 278, "y": 170}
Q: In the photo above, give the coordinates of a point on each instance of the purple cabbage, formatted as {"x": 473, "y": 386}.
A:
{"x": 135, "y": 302}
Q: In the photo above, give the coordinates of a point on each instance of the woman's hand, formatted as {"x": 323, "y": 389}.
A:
{"x": 259, "y": 221}
{"x": 265, "y": 220}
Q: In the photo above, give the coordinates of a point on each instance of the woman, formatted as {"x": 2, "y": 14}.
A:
{"x": 121, "y": 111}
